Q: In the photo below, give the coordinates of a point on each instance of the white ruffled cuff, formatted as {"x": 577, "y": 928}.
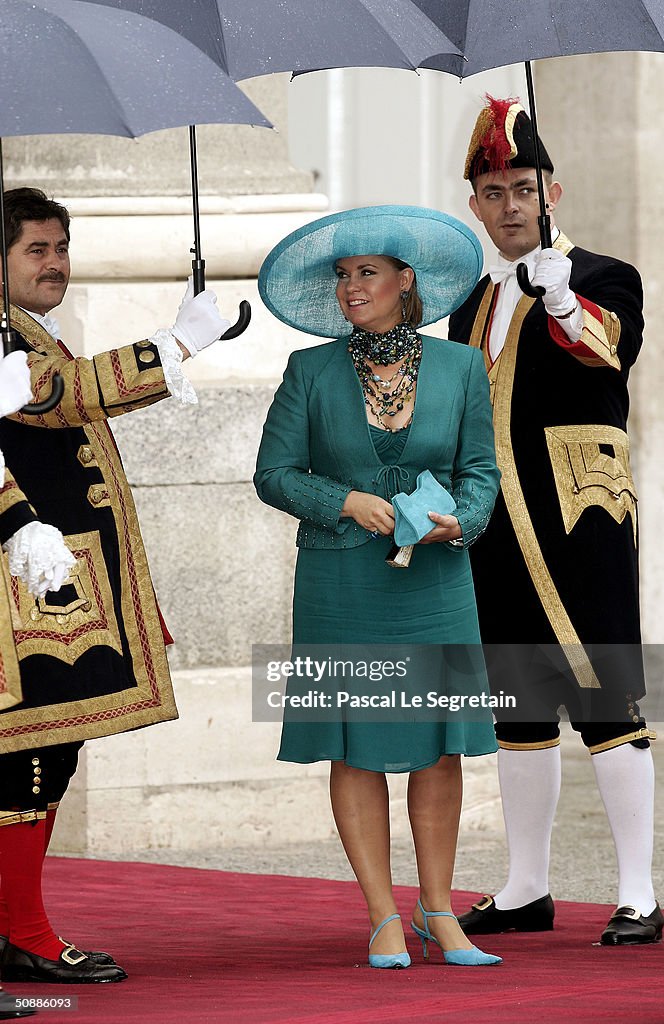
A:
{"x": 39, "y": 557}
{"x": 170, "y": 354}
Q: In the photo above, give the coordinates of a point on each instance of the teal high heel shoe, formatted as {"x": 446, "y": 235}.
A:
{"x": 472, "y": 957}
{"x": 393, "y": 960}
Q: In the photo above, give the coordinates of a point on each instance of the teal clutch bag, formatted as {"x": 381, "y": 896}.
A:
{"x": 411, "y": 521}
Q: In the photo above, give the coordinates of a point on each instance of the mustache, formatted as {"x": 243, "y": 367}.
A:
{"x": 55, "y": 276}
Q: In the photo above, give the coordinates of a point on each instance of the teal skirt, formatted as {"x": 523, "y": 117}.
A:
{"x": 352, "y": 601}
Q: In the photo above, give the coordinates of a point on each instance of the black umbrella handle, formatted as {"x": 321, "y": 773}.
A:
{"x": 10, "y": 343}
{"x": 533, "y": 291}
{"x": 244, "y": 318}
{"x": 55, "y": 397}
{"x": 241, "y": 323}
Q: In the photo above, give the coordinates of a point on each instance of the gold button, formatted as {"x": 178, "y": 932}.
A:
{"x": 143, "y": 344}
{"x": 96, "y": 495}
{"x": 86, "y": 606}
{"x": 36, "y": 780}
{"x": 35, "y": 760}
{"x": 37, "y": 771}
{"x": 85, "y": 454}
{"x": 35, "y": 789}
{"x": 35, "y": 614}
{"x": 613, "y": 350}
{"x": 635, "y": 718}
{"x": 614, "y": 316}
{"x": 146, "y": 357}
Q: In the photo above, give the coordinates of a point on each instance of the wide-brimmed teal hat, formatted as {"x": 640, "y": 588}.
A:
{"x": 297, "y": 279}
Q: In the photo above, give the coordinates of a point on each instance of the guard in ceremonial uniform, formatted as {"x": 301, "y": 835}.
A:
{"x": 15, "y": 391}
{"x": 92, "y": 656}
{"x": 563, "y": 536}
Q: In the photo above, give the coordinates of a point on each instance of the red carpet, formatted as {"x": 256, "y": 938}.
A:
{"x": 207, "y": 946}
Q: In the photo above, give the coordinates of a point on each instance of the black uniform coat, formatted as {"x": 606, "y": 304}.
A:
{"x": 558, "y": 562}
{"x": 92, "y": 657}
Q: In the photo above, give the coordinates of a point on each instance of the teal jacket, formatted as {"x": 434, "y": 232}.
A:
{"x": 316, "y": 444}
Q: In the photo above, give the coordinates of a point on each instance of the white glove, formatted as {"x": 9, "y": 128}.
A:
{"x": 15, "y": 389}
{"x": 199, "y": 322}
{"x": 552, "y": 272}
{"x": 39, "y": 557}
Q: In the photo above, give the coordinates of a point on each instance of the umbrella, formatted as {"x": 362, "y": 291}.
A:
{"x": 249, "y": 38}
{"x": 494, "y": 33}
{"x": 104, "y": 72}
{"x": 259, "y": 37}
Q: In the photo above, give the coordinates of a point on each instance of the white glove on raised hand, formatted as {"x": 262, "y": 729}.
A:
{"x": 15, "y": 390}
{"x": 552, "y": 272}
{"x": 198, "y": 323}
{"x": 39, "y": 557}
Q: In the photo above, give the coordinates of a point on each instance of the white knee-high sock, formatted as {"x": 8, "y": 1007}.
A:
{"x": 626, "y": 780}
{"x": 530, "y": 787}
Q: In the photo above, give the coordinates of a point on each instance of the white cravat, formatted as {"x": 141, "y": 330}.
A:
{"x": 503, "y": 273}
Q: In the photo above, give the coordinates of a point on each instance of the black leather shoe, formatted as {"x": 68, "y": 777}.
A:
{"x": 628, "y": 927}
{"x": 486, "y": 919}
{"x": 97, "y": 957}
{"x": 72, "y": 967}
{"x": 8, "y": 1009}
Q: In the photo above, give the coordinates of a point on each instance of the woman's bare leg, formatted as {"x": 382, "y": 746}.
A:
{"x": 360, "y": 804}
{"x": 434, "y": 808}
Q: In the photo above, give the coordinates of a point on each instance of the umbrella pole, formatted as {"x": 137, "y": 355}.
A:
{"x": 6, "y": 327}
{"x": 197, "y": 264}
{"x": 543, "y": 220}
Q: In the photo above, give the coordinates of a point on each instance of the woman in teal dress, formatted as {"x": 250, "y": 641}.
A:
{"x": 354, "y": 422}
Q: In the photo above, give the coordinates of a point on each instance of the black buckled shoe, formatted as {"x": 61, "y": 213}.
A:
{"x": 485, "y": 919}
{"x": 628, "y": 927}
{"x": 97, "y": 956}
{"x": 8, "y": 1008}
{"x": 72, "y": 967}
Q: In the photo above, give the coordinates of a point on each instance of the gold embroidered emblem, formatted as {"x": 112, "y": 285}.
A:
{"x": 78, "y": 617}
{"x": 585, "y": 475}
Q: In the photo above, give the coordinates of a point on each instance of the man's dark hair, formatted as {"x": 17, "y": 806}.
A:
{"x": 30, "y": 204}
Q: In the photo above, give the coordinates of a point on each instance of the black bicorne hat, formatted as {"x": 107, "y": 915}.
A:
{"x": 503, "y": 138}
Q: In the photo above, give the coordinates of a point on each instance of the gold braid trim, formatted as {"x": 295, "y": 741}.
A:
{"x": 10, "y": 680}
{"x": 539, "y": 745}
{"x": 11, "y": 494}
{"x": 20, "y": 817}
{"x": 619, "y": 741}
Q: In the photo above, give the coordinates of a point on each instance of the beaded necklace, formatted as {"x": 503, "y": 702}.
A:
{"x": 400, "y": 344}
